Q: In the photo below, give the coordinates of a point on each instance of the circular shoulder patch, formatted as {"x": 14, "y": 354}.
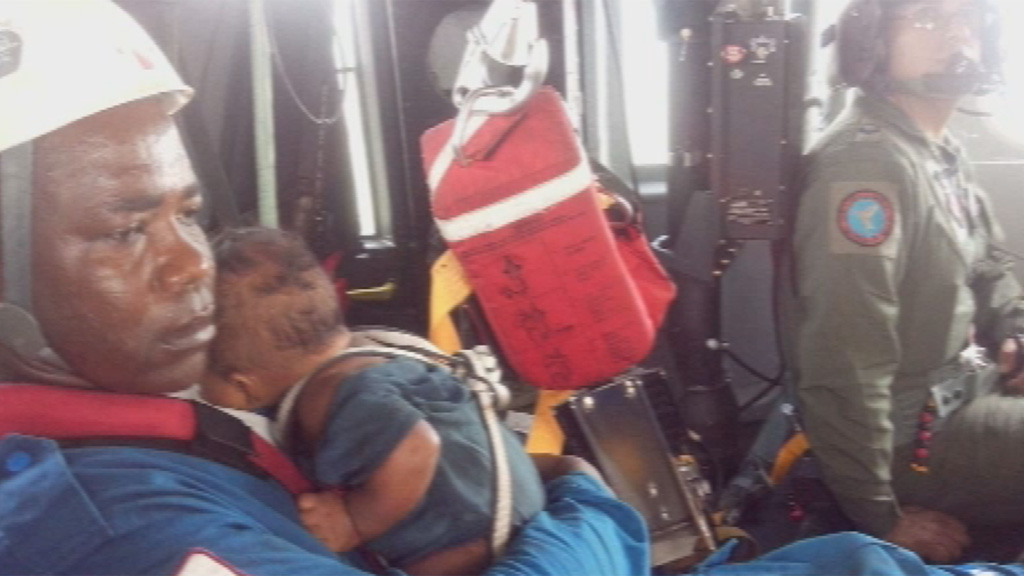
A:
{"x": 866, "y": 217}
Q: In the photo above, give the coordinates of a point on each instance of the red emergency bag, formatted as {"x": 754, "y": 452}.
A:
{"x": 571, "y": 302}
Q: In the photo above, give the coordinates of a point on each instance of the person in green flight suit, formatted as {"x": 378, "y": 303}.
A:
{"x": 901, "y": 295}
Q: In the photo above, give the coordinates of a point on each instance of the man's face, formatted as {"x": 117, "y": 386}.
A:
{"x": 925, "y": 35}
{"x": 122, "y": 271}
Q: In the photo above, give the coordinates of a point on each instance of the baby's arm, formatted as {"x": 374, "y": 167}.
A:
{"x": 366, "y": 511}
{"x": 397, "y": 485}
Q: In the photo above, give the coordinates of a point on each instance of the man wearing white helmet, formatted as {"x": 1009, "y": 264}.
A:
{"x": 107, "y": 287}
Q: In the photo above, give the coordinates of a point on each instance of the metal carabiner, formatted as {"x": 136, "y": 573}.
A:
{"x": 505, "y": 41}
{"x": 495, "y": 100}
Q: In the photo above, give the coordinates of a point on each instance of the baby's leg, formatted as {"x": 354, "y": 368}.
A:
{"x": 325, "y": 515}
{"x": 467, "y": 559}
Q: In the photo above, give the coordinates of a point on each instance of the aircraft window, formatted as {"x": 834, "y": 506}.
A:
{"x": 1008, "y": 114}
{"x": 352, "y": 60}
{"x": 645, "y": 78}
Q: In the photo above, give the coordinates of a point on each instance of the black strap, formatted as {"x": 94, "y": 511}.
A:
{"x": 219, "y": 438}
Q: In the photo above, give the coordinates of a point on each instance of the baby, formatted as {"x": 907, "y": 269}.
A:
{"x": 398, "y": 445}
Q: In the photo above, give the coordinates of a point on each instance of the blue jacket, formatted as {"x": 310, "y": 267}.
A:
{"x": 116, "y": 510}
{"x": 844, "y": 554}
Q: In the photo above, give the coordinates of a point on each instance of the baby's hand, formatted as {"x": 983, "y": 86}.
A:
{"x": 325, "y": 516}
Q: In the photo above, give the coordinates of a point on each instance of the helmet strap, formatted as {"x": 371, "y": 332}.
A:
{"x": 16, "y": 213}
{"x": 19, "y": 330}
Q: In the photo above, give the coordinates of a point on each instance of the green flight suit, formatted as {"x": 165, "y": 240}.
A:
{"x": 894, "y": 268}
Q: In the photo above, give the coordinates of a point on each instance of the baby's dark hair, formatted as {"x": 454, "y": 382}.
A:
{"x": 271, "y": 292}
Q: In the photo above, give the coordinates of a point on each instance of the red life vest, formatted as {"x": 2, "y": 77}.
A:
{"x": 74, "y": 418}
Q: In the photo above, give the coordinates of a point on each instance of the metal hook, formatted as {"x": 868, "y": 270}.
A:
{"x": 467, "y": 110}
{"x": 496, "y": 100}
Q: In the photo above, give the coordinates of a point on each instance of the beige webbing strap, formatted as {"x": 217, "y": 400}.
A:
{"x": 483, "y": 378}
{"x": 484, "y": 381}
{"x": 502, "y": 524}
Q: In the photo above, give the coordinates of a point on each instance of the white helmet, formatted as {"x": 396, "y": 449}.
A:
{"x": 63, "y": 60}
